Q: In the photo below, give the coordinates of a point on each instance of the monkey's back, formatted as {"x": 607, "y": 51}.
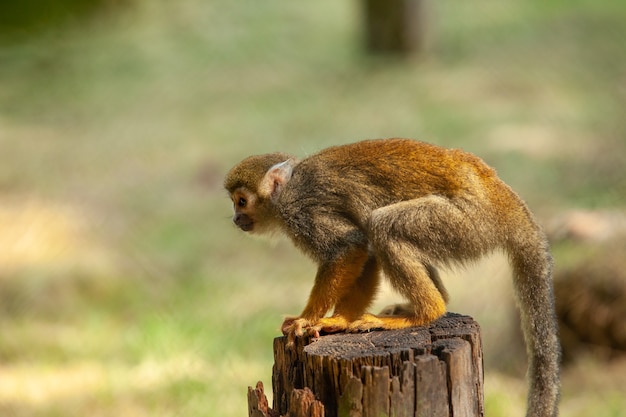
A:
{"x": 399, "y": 169}
{"x": 338, "y": 188}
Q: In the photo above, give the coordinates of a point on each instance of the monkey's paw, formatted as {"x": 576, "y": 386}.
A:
{"x": 366, "y": 323}
{"x": 369, "y": 322}
{"x": 334, "y": 324}
{"x": 296, "y": 327}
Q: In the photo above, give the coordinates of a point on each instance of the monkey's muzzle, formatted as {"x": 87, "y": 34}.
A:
{"x": 243, "y": 221}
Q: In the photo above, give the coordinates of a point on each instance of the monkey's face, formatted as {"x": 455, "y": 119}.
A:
{"x": 254, "y": 186}
{"x": 244, "y": 206}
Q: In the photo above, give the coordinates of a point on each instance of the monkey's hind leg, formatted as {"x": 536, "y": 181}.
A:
{"x": 425, "y": 300}
{"x": 406, "y": 308}
{"x": 408, "y": 238}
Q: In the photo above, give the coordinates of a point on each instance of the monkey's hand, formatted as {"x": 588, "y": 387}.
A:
{"x": 294, "y": 327}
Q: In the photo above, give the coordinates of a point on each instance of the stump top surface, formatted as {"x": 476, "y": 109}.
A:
{"x": 376, "y": 343}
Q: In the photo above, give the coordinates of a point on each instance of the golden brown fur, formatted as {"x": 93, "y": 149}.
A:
{"x": 404, "y": 208}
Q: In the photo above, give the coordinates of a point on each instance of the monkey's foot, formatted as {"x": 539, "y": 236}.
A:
{"x": 332, "y": 324}
{"x": 369, "y": 322}
{"x": 298, "y": 326}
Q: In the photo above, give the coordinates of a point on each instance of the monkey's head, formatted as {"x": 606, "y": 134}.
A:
{"x": 254, "y": 186}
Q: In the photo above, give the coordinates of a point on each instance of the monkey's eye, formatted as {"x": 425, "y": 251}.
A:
{"x": 242, "y": 202}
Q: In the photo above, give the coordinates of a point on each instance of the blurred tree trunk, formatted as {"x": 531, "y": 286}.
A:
{"x": 395, "y": 26}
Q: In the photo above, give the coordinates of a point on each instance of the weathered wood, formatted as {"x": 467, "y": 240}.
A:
{"x": 450, "y": 328}
{"x": 257, "y": 402}
{"x": 431, "y": 387}
{"x": 302, "y": 403}
{"x": 375, "y": 391}
{"x": 420, "y": 371}
{"x": 456, "y": 353}
{"x": 288, "y": 370}
{"x": 402, "y": 395}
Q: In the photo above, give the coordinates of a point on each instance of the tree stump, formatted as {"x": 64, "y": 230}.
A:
{"x": 421, "y": 371}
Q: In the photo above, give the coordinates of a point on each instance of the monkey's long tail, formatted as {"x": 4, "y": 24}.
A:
{"x": 532, "y": 269}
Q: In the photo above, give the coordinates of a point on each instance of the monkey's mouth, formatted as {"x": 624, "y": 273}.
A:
{"x": 245, "y": 223}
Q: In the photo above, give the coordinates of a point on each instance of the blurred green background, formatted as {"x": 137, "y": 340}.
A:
{"x": 124, "y": 288}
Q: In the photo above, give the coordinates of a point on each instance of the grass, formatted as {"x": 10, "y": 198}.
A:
{"x": 124, "y": 290}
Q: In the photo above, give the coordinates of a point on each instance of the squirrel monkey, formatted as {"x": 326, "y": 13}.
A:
{"x": 405, "y": 208}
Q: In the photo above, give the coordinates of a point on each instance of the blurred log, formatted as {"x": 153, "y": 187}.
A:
{"x": 591, "y": 303}
{"x": 434, "y": 371}
{"x": 396, "y": 26}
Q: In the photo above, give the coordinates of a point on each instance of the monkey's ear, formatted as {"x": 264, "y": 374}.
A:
{"x": 275, "y": 178}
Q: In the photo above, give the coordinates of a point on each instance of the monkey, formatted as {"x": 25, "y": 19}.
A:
{"x": 405, "y": 209}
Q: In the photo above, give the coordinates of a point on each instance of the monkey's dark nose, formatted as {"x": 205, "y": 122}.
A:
{"x": 243, "y": 221}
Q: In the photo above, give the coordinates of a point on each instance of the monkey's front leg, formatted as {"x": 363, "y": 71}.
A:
{"x": 333, "y": 281}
